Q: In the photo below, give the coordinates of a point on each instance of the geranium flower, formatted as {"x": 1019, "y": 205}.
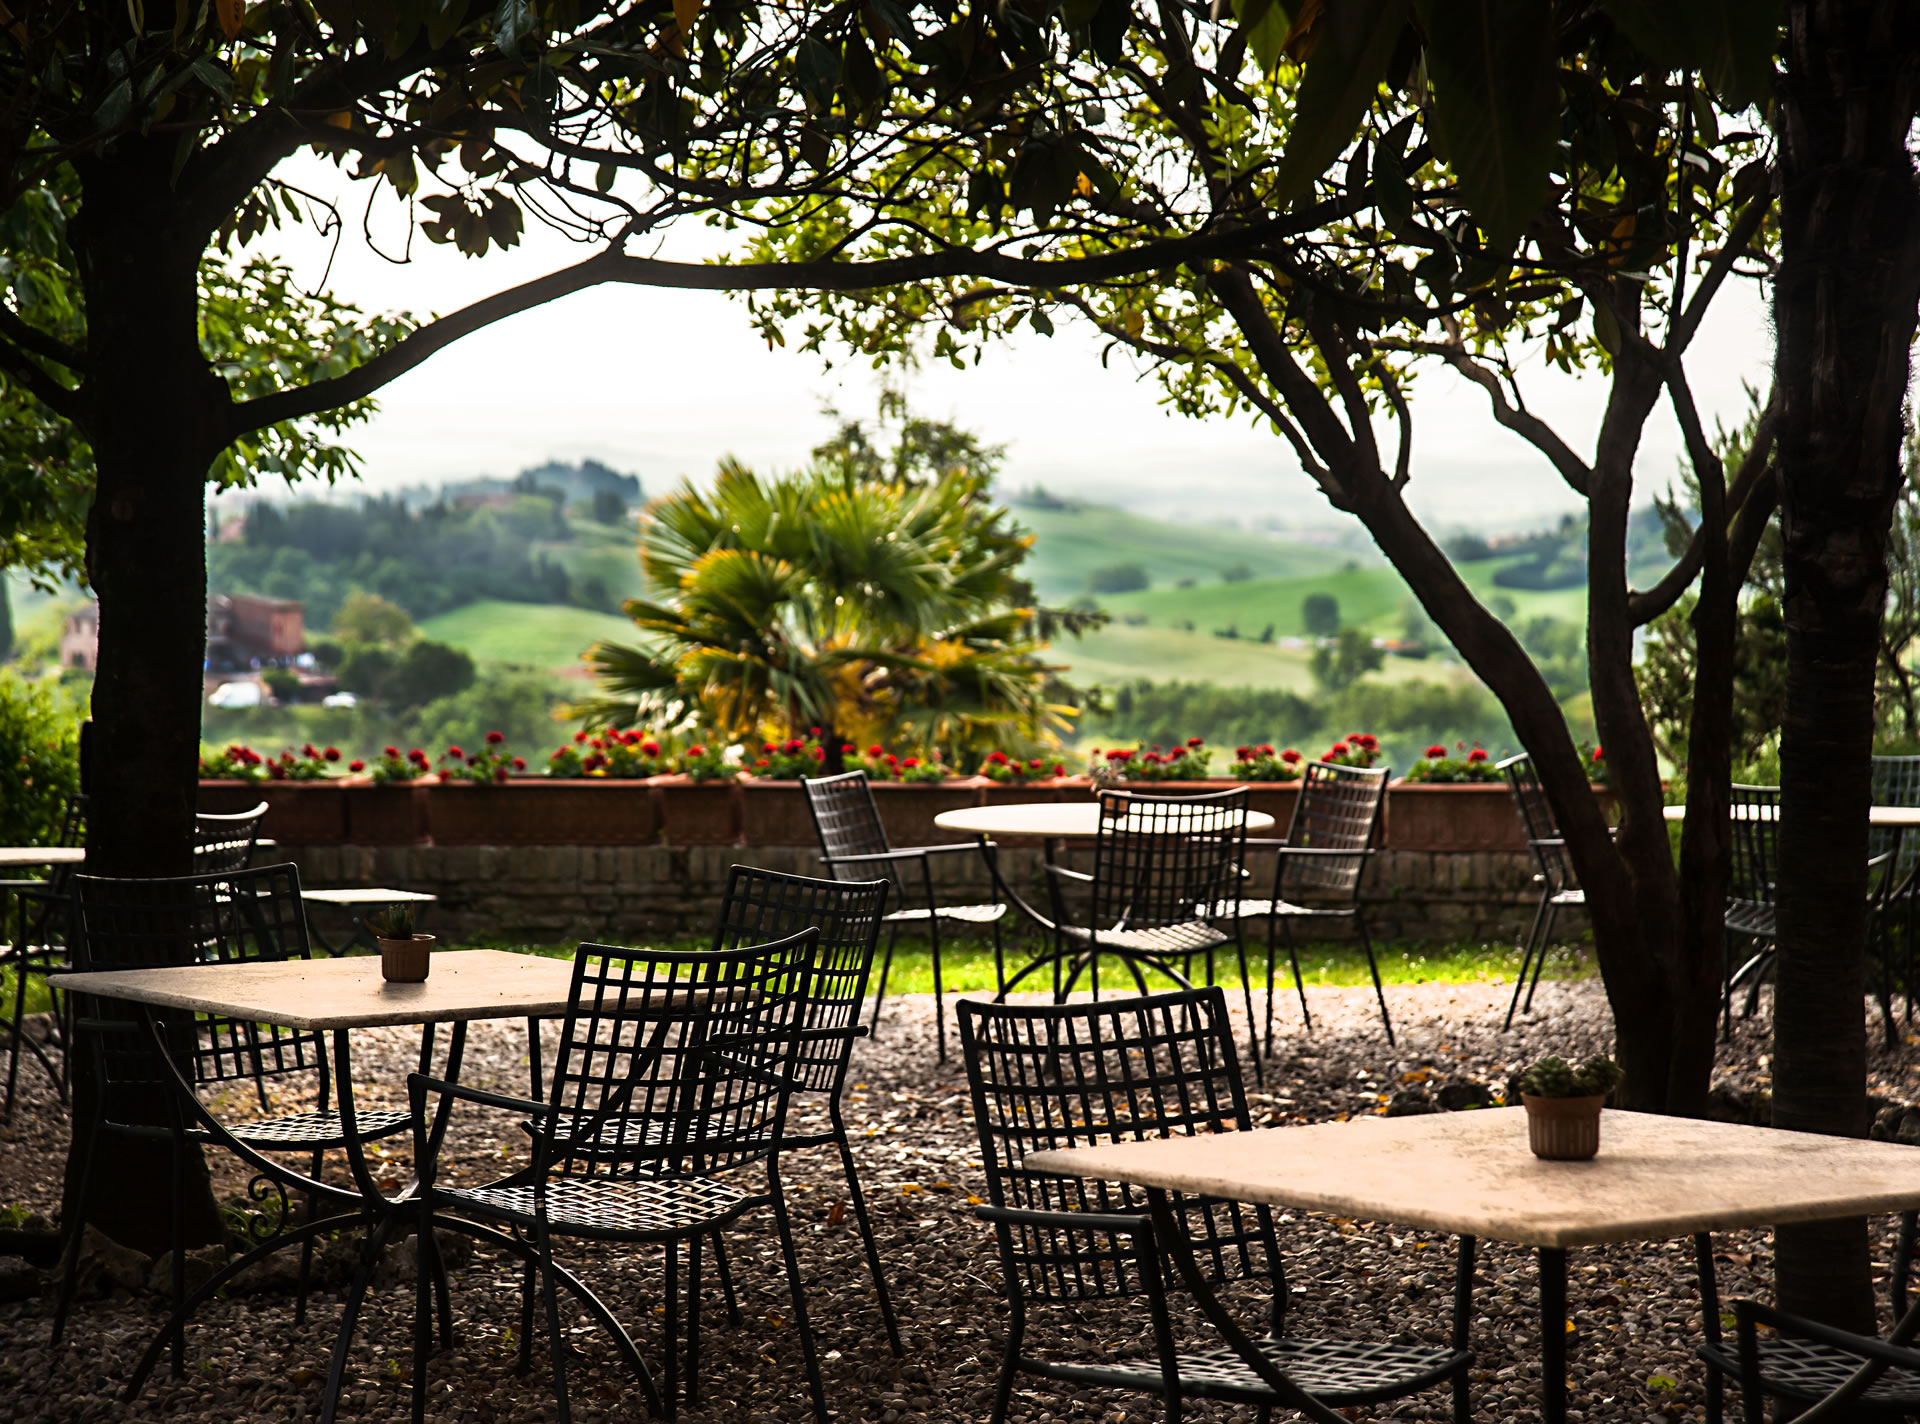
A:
{"x": 819, "y": 753}
{"x": 356, "y": 766}
{"x": 580, "y": 736}
{"x": 1339, "y": 749}
{"x": 1477, "y": 755}
{"x": 331, "y": 754}
{"x": 494, "y": 739}
{"x": 1266, "y": 749}
{"x": 456, "y": 754}
{"x": 846, "y": 749}
{"x": 997, "y": 758}
{"x": 1599, "y": 755}
{"x": 519, "y": 763}
{"x": 876, "y": 750}
{"x": 1243, "y": 753}
{"x": 1289, "y": 756}
{"x": 763, "y": 762}
{"x": 1059, "y": 770}
{"x": 1195, "y": 742}
{"x": 696, "y": 751}
{"x": 1436, "y": 753}
{"x": 910, "y": 763}
{"x": 306, "y": 751}
{"x": 417, "y": 757}
{"x": 652, "y": 749}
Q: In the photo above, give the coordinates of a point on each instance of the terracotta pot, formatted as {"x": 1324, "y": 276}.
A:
{"x": 1178, "y": 788}
{"x": 394, "y": 814}
{"x": 406, "y": 961}
{"x": 1015, "y": 793}
{"x": 697, "y": 812}
{"x": 1563, "y": 1129}
{"x": 1277, "y": 799}
{"x": 1456, "y": 818}
{"x": 228, "y": 797}
{"x": 907, "y": 808}
{"x": 774, "y": 813}
{"x": 304, "y": 812}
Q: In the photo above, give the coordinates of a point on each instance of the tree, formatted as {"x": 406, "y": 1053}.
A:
{"x": 1119, "y": 578}
{"x": 608, "y": 508}
{"x": 369, "y": 619}
{"x": 1320, "y": 615}
{"x": 1344, "y": 661}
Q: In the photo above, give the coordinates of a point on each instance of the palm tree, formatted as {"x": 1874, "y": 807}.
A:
{"x": 863, "y": 603}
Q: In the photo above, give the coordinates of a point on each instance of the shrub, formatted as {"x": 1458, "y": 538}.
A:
{"x": 1118, "y": 578}
{"x": 40, "y": 744}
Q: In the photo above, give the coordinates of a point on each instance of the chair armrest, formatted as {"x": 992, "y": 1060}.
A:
{"x": 1119, "y": 1223}
{"x": 1326, "y": 850}
{"x": 1749, "y": 1313}
{"x": 944, "y": 848}
{"x": 1264, "y": 842}
{"x": 419, "y": 1085}
{"x": 1548, "y": 842}
{"x": 1065, "y": 873}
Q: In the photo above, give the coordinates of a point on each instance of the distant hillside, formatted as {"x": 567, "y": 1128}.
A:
{"x": 1074, "y": 540}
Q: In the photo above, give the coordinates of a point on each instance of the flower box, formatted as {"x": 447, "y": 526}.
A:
{"x": 697, "y": 812}
{"x": 393, "y": 814}
{"x": 907, "y": 808}
{"x": 228, "y": 798}
{"x": 535, "y": 811}
{"x": 1277, "y": 799}
{"x": 1452, "y": 818}
{"x": 774, "y": 813}
{"x": 304, "y": 812}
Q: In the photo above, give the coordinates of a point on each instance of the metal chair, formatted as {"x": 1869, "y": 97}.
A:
{"x": 1896, "y": 782}
{"x": 1754, "y": 833}
{"x": 1319, "y": 867}
{"x": 41, "y": 915}
{"x": 229, "y": 918}
{"x": 853, "y": 844}
{"x": 764, "y": 905}
{"x": 1554, "y": 877}
{"x": 1127, "y": 1070}
{"x": 1805, "y": 1362}
{"x": 226, "y": 842}
{"x": 674, "y": 1069}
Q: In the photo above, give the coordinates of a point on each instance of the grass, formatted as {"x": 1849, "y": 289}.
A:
{"x": 1118, "y": 654}
{"x": 542, "y": 635}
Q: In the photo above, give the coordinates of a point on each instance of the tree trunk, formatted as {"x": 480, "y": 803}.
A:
{"x": 156, "y": 417}
{"x": 1844, "y": 313}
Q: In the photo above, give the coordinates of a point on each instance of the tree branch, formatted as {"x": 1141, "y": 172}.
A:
{"x": 1738, "y": 236}
{"x": 614, "y": 265}
{"x": 29, "y": 373}
{"x": 30, "y": 338}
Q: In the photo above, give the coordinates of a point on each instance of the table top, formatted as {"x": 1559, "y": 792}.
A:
{"x": 369, "y": 895}
{"x": 346, "y": 993}
{"x": 14, "y": 857}
{"x": 1058, "y": 820}
{"x": 1904, "y": 817}
{"x": 1470, "y": 1173}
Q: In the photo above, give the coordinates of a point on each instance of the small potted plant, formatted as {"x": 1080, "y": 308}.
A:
{"x": 405, "y": 957}
{"x": 1563, "y": 1105}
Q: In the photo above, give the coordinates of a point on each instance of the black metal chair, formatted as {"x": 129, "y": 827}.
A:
{"x": 1319, "y": 867}
{"x": 853, "y": 844}
{"x": 1775, "y": 1355}
{"x": 226, "y": 842}
{"x": 1896, "y": 782}
{"x": 764, "y": 905}
{"x": 38, "y": 949}
{"x": 1554, "y": 877}
{"x": 674, "y": 1069}
{"x": 227, "y": 918}
{"x": 1754, "y": 834}
{"x": 1126, "y": 1070}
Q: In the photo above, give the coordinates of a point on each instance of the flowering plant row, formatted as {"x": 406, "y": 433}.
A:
{"x": 238, "y": 763}
{"x": 1441, "y": 767}
{"x": 1186, "y": 761}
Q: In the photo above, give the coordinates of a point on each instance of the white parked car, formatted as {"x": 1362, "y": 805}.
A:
{"x": 235, "y": 695}
{"x": 339, "y": 699}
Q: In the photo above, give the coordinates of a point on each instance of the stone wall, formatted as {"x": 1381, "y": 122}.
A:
{"x": 551, "y": 894}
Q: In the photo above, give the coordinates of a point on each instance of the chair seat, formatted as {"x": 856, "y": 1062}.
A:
{"x": 972, "y": 914}
{"x": 610, "y": 1206}
{"x": 1338, "y": 1372}
{"x": 1188, "y": 937}
{"x": 322, "y": 1129}
{"x": 1749, "y": 917}
{"x": 1807, "y": 1370}
{"x": 1262, "y": 909}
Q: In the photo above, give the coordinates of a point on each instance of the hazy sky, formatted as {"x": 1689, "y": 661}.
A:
{"x": 662, "y": 383}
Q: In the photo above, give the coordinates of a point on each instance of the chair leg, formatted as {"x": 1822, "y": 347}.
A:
{"x": 693, "y": 1323}
{"x": 1373, "y": 968}
{"x": 886, "y": 967}
{"x": 305, "y": 1283}
{"x": 1003, "y": 1387}
{"x": 867, "y": 1243}
{"x": 725, "y": 1272}
{"x": 76, "y": 1229}
{"x": 999, "y": 958}
{"x": 177, "y": 1244}
{"x": 1246, "y": 990}
{"x": 816, "y": 1386}
{"x": 1299, "y": 984}
{"x": 670, "y": 1338}
{"x": 939, "y": 1002}
{"x": 1540, "y": 954}
{"x": 557, "y": 1342}
{"x": 1526, "y": 958}
{"x": 17, "y": 1029}
{"x": 529, "y": 1283}
{"x": 422, "y": 1313}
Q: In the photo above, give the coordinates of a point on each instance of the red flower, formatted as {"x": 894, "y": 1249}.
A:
{"x": 1436, "y": 753}
{"x": 356, "y": 766}
{"x": 456, "y": 754}
{"x": 892, "y": 760}
{"x": 763, "y": 762}
{"x": 1243, "y": 753}
{"x": 1289, "y": 756}
{"x": 1035, "y": 763}
{"x": 1368, "y": 740}
{"x": 911, "y": 762}
{"x": 1477, "y": 755}
{"x": 1599, "y": 755}
{"x": 819, "y": 753}
{"x": 846, "y": 749}
{"x": 519, "y": 763}
{"x": 559, "y": 752}
{"x": 1195, "y": 742}
{"x": 1266, "y": 749}
{"x": 331, "y": 754}
{"x": 794, "y": 744}
{"x": 446, "y": 776}
{"x": 598, "y": 744}
{"x": 996, "y": 758}
{"x": 1339, "y": 749}
{"x": 876, "y": 750}
{"x": 1059, "y": 770}
{"x": 696, "y": 751}
{"x": 814, "y": 730}
{"x": 495, "y": 738}
{"x": 580, "y": 736}
{"x": 308, "y": 751}
{"x": 417, "y": 757}
{"x": 652, "y": 749}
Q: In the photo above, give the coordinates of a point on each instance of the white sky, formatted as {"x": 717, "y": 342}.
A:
{"x": 662, "y": 383}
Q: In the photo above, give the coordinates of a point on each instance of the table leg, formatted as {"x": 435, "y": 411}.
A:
{"x": 1553, "y": 1335}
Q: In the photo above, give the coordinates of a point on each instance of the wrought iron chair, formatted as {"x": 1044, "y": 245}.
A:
{"x": 226, "y": 842}
{"x": 853, "y": 844}
{"x": 1554, "y": 877}
{"x": 764, "y": 905}
{"x": 1319, "y": 867}
{"x": 1162, "y": 865}
{"x": 1896, "y": 782}
{"x": 1787, "y": 1357}
{"x": 1754, "y": 834}
{"x": 674, "y": 1069}
{"x": 39, "y": 948}
{"x": 1130, "y": 1069}
{"x": 228, "y": 918}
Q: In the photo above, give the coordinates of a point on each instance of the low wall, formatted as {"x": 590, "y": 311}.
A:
{"x": 551, "y": 894}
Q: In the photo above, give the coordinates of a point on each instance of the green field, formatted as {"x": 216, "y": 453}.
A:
{"x": 1071, "y": 543}
{"x": 1118, "y": 654}
{"x": 602, "y": 551}
{"x": 543, "y": 635}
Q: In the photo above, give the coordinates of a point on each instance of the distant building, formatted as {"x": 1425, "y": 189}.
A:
{"x": 80, "y": 639}
{"x": 246, "y": 630}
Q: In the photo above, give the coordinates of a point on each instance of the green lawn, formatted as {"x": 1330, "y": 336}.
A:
{"x": 542, "y": 635}
{"x": 1119, "y": 654}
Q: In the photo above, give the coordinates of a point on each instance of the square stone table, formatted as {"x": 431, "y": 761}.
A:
{"x": 1471, "y": 1174}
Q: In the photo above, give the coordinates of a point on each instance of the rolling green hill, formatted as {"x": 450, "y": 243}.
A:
{"x": 549, "y": 636}
{"x": 1071, "y": 543}
{"x": 1118, "y": 654}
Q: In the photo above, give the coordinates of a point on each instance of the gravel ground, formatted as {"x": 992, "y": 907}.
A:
{"x": 1633, "y": 1307}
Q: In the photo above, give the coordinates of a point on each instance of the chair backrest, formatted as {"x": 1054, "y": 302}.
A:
{"x": 1536, "y": 819}
{"x": 677, "y": 1063}
{"x": 848, "y": 821}
{"x": 763, "y": 905}
{"x": 1338, "y": 810}
{"x": 1077, "y": 1075}
{"x": 44, "y": 913}
{"x": 225, "y": 842}
{"x": 1755, "y": 832}
{"x": 233, "y": 917}
{"x": 1166, "y": 860}
{"x": 1896, "y": 782}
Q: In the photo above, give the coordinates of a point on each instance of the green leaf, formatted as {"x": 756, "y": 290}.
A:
{"x": 1731, "y": 42}
{"x": 1497, "y": 104}
{"x": 1341, "y": 81}
{"x": 1040, "y": 322}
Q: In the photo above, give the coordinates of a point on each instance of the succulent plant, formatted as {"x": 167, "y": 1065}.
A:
{"x": 393, "y": 922}
{"x": 1554, "y": 1077}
